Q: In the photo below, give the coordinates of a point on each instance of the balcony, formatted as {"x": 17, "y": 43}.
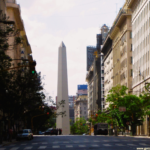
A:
{"x": 11, "y": 4}
{"x": 130, "y": 3}
{"x": 11, "y": 1}
{"x": 119, "y": 20}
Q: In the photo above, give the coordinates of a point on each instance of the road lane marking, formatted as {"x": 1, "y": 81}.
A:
{"x": 131, "y": 144}
{"x": 143, "y": 144}
{"x": 55, "y": 146}
{"x": 14, "y": 148}
{"x": 42, "y": 147}
{"x": 69, "y": 146}
{"x": 82, "y": 146}
{"x": 28, "y": 148}
{"x": 95, "y": 145}
{"x": 107, "y": 145}
{"x": 120, "y": 145}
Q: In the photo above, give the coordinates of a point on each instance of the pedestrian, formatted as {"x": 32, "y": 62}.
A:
{"x": 59, "y": 131}
{"x": 10, "y": 135}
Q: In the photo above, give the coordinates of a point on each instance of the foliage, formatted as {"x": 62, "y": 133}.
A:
{"x": 135, "y": 107}
{"x": 79, "y": 127}
{"x": 20, "y": 91}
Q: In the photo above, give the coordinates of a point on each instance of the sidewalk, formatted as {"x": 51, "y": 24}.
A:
{"x": 8, "y": 143}
{"x": 136, "y": 136}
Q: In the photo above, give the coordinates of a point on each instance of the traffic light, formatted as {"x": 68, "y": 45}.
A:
{"x": 32, "y": 67}
{"x": 47, "y": 113}
{"x": 96, "y": 115}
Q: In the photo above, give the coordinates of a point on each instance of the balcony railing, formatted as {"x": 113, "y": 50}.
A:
{"x": 122, "y": 12}
{"x": 11, "y": 1}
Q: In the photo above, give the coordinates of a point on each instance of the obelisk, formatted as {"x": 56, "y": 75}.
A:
{"x": 62, "y": 91}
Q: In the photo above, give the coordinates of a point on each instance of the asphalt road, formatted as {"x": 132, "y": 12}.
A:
{"x": 81, "y": 142}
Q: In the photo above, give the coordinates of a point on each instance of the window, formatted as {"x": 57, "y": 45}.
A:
{"x": 131, "y": 47}
{"x": 85, "y": 112}
{"x": 131, "y": 60}
{"x": 131, "y": 72}
{"x": 130, "y": 35}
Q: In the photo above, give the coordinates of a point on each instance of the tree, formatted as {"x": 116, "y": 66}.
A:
{"x": 135, "y": 107}
{"x": 20, "y": 91}
{"x": 79, "y": 127}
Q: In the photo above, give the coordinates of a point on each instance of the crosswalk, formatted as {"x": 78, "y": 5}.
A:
{"x": 70, "y": 145}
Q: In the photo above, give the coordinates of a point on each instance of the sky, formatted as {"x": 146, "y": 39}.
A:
{"x": 76, "y": 23}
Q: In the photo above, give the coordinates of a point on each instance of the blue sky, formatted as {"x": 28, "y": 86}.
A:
{"x": 76, "y": 23}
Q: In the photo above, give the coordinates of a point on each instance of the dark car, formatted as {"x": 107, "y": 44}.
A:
{"x": 51, "y": 131}
{"x": 25, "y": 134}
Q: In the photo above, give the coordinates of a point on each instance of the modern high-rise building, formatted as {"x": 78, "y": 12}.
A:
{"x": 90, "y": 56}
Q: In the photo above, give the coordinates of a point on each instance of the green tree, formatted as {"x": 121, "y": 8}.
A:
{"x": 20, "y": 91}
{"x": 79, "y": 127}
{"x": 135, "y": 107}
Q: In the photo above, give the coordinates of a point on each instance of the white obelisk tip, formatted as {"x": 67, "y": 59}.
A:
{"x": 62, "y": 44}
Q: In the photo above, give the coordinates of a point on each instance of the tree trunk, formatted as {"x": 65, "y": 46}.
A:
{"x": 133, "y": 129}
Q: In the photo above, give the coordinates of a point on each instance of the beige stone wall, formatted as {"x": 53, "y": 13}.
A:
{"x": 17, "y": 51}
{"x": 3, "y": 6}
{"x": 122, "y": 49}
{"x": 108, "y": 75}
{"x": 81, "y": 107}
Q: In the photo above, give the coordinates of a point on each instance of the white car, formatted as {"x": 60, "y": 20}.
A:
{"x": 25, "y": 134}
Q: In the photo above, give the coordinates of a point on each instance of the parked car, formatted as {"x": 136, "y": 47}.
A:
{"x": 25, "y": 134}
{"x": 101, "y": 129}
{"x": 51, "y": 131}
{"x": 41, "y": 133}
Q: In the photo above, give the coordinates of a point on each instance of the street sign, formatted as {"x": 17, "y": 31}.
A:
{"x": 122, "y": 109}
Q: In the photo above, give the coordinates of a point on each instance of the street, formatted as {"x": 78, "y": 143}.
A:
{"x": 81, "y": 142}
